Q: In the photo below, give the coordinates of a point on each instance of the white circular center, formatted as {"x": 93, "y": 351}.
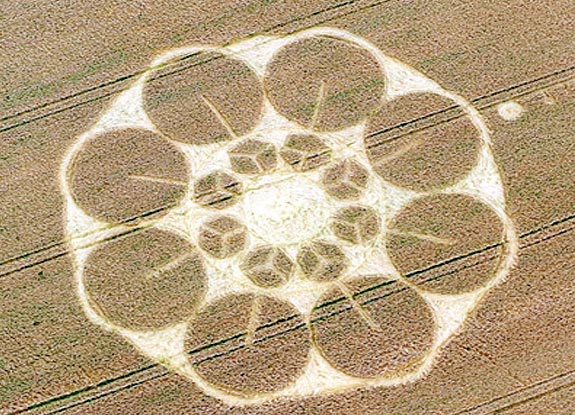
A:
{"x": 288, "y": 211}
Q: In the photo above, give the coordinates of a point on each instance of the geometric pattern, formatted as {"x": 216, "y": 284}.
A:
{"x": 248, "y": 203}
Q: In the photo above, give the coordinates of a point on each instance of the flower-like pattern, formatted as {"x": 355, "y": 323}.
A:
{"x": 261, "y": 217}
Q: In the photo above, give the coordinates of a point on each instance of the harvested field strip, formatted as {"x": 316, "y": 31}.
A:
{"x": 515, "y": 398}
{"x": 20, "y": 262}
{"x": 523, "y": 395}
{"x": 527, "y": 243}
{"x": 488, "y": 100}
{"x": 132, "y": 76}
{"x": 528, "y": 240}
{"x": 107, "y": 386}
{"x": 481, "y": 102}
{"x": 117, "y": 86}
{"x": 61, "y": 253}
{"x": 514, "y": 354}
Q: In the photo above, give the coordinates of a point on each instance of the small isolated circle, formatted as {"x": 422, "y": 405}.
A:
{"x": 345, "y": 180}
{"x": 322, "y": 261}
{"x": 305, "y": 152}
{"x": 223, "y": 236}
{"x": 149, "y": 279}
{"x": 371, "y": 332}
{"x": 267, "y": 266}
{"x": 510, "y": 110}
{"x": 356, "y": 224}
{"x": 287, "y": 211}
{"x": 217, "y": 190}
{"x": 245, "y": 354}
{"x": 253, "y": 157}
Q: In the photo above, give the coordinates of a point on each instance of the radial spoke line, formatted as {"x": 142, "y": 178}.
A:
{"x": 424, "y": 237}
{"x": 253, "y": 322}
{"x": 221, "y": 118}
{"x": 158, "y": 179}
{"x": 173, "y": 263}
{"x": 404, "y": 149}
{"x": 318, "y": 104}
{"x": 523, "y": 236}
{"x": 363, "y": 313}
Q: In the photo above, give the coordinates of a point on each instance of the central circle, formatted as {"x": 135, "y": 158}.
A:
{"x": 288, "y": 211}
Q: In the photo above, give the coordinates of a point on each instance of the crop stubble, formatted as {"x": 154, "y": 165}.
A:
{"x": 532, "y": 152}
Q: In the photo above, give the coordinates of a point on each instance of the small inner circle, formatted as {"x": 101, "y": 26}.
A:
{"x": 287, "y": 211}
